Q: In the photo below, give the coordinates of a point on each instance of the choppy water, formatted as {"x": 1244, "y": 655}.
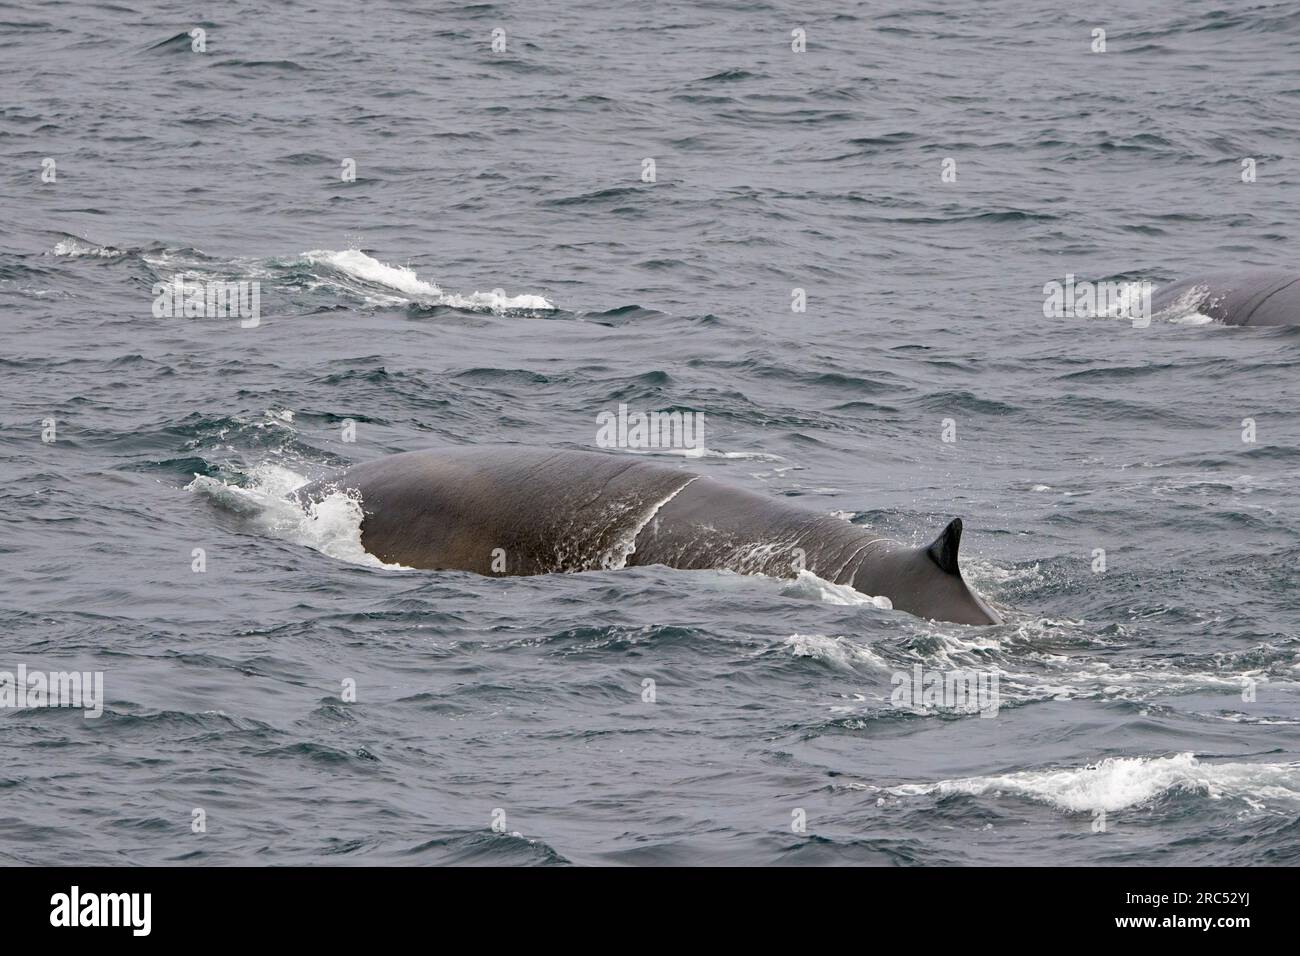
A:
{"x": 411, "y": 302}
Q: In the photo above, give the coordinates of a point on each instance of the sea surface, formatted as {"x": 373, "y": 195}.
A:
{"x": 501, "y": 271}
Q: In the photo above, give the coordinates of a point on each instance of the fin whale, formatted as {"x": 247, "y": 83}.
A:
{"x": 1247, "y": 297}
{"x": 518, "y": 510}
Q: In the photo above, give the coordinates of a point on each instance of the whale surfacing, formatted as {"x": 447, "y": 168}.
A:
{"x": 1248, "y": 297}
{"x": 517, "y": 510}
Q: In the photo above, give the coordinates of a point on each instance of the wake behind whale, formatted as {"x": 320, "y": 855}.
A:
{"x": 513, "y": 510}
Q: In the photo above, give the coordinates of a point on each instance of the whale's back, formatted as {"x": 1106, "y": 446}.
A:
{"x": 505, "y": 509}
{"x": 508, "y": 509}
{"x": 1248, "y": 297}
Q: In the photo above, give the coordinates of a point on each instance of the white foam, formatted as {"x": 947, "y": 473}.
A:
{"x": 1191, "y": 318}
{"x": 331, "y": 525}
{"x": 839, "y": 651}
{"x": 76, "y": 248}
{"x": 1186, "y": 309}
{"x": 358, "y": 265}
{"x": 985, "y": 577}
{"x": 741, "y": 455}
{"x": 808, "y": 585}
{"x": 1117, "y": 783}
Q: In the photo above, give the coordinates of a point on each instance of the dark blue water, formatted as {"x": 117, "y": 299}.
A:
{"x": 1149, "y": 713}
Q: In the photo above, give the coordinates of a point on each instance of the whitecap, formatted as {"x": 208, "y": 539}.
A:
{"x": 357, "y": 265}
{"x": 839, "y": 651}
{"x": 1118, "y": 783}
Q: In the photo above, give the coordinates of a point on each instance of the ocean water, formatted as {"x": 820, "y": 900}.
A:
{"x": 500, "y": 272}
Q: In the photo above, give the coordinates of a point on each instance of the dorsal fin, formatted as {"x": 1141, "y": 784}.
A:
{"x": 944, "y": 549}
